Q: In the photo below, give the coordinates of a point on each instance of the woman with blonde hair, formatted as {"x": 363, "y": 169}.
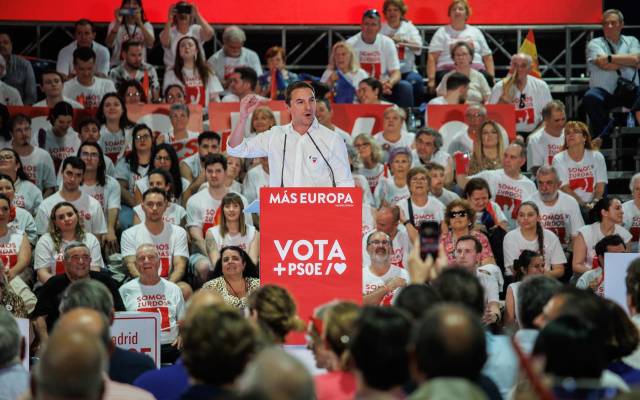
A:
{"x": 343, "y": 74}
{"x": 275, "y": 312}
{"x": 488, "y": 151}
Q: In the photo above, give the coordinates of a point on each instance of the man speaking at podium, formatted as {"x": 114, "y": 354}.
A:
{"x": 302, "y": 153}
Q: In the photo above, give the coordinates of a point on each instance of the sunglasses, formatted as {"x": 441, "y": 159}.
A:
{"x": 456, "y": 214}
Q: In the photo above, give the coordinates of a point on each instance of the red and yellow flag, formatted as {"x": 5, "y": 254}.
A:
{"x": 528, "y": 46}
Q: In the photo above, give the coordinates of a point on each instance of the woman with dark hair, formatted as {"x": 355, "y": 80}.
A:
{"x": 165, "y": 158}
{"x": 133, "y": 167}
{"x": 129, "y": 24}
{"x": 132, "y": 92}
{"x": 174, "y": 94}
{"x": 275, "y": 312}
{"x": 235, "y": 276}
{"x": 97, "y": 184}
{"x": 61, "y": 141}
{"x": 622, "y": 342}
{"x": 20, "y": 217}
{"x": 115, "y": 132}
{"x": 607, "y": 213}
{"x": 528, "y": 264}
{"x": 184, "y": 20}
{"x": 191, "y": 71}
{"x": 462, "y": 54}
{"x": 530, "y": 235}
{"x": 370, "y": 92}
{"x": 27, "y": 194}
{"x": 160, "y": 178}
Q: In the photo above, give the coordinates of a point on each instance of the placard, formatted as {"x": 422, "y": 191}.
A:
{"x": 139, "y": 332}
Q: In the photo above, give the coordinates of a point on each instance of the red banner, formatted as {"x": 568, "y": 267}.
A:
{"x": 331, "y": 12}
{"x": 359, "y": 118}
{"x": 310, "y": 243}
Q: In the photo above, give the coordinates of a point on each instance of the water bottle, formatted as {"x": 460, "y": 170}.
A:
{"x": 631, "y": 120}
{"x": 411, "y": 120}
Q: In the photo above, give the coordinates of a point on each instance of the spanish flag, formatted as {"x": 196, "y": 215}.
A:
{"x": 528, "y": 46}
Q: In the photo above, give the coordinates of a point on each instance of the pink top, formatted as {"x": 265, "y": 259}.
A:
{"x": 339, "y": 385}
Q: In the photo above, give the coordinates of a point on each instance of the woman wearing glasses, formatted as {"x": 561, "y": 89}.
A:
{"x": 420, "y": 207}
{"x": 458, "y": 219}
{"x": 132, "y": 92}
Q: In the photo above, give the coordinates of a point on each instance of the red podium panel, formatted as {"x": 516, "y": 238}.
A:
{"x": 503, "y": 114}
{"x": 310, "y": 243}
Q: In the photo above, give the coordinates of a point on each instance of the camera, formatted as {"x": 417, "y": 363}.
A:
{"x": 127, "y": 12}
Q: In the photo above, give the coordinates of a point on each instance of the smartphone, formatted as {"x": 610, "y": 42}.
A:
{"x": 183, "y": 8}
{"x": 126, "y": 12}
{"x": 429, "y": 239}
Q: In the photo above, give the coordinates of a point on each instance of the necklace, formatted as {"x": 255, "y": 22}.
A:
{"x": 233, "y": 292}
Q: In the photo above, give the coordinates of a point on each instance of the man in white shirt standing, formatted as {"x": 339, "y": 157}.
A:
{"x": 85, "y": 38}
{"x": 547, "y": 141}
{"x": 86, "y": 88}
{"x": 380, "y": 278}
{"x": 233, "y": 54}
{"x": 378, "y": 56}
{"x": 302, "y": 153}
{"x": 527, "y": 93}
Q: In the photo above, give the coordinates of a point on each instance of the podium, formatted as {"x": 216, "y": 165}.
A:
{"x": 310, "y": 243}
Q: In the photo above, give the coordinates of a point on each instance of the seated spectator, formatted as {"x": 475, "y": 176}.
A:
{"x": 86, "y": 87}
{"x": 263, "y": 119}
{"x": 89, "y": 131}
{"x": 158, "y": 178}
{"x": 174, "y": 94}
{"x": 84, "y": 36}
{"x": 474, "y": 117}
{"x": 242, "y": 81}
{"x": 8, "y": 94}
{"x": 64, "y": 227}
{"x": 179, "y": 115}
{"x": 387, "y": 220}
{"x": 166, "y": 159}
{"x": 380, "y": 279}
{"x": 235, "y": 171}
{"x": 370, "y": 91}
{"x": 459, "y": 219}
{"x": 10, "y": 297}
{"x": 35, "y": 162}
{"x": 234, "y": 276}
{"x": 60, "y": 141}
{"x": 408, "y": 43}
{"x": 608, "y": 215}
{"x": 581, "y": 170}
{"x": 134, "y": 68}
{"x": 462, "y": 54}
{"x": 428, "y": 149}
{"x": 191, "y": 72}
{"x": 437, "y": 189}
{"x": 594, "y": 278}
{"x": 621, "y": 342}
{"x": 610, "y": 56}
{"x": 18, "y": 71}
{"x": 132, "y": 93}
{"x": 115, "y": 127}
{"x": 378, "y": 57}
{"x": 184, "y": 20}
{"x": 14, "y": 378}
{"x": 233, "y": 54}
{"x": 458, "y": 30}
{"x": 546, "y": 142}
{"x": 393, "y": 189}
{"x": 20, "y": 219}
{"x": 232, "y": 231}
{"x": 373, "y": 167}
{"x": 26, "y": 194}
{"x": 488, "y": 152}
{"x": 343, "y": 74}
{"x": 527, "y": 93}
{"x": 273, "y": 309}
{"x": 488, "y": 214}
{"x": 393, "y": 134}
{"x": 192, "y": 167}
{"x": 420, "y": 206}
{"x": 130, "y": 24}
{"x": 15, "y": 248}
{"x": 530, "y": 297}
{"x": 276, "y": 68}
{"x": 325, "y": 114}
{"x": 529, "y": 263}
{"x": 631, "y": 209}
{"x": 52, "y": 84}
{"x": 456, "y": 90}
{"x": 166, "y": 295}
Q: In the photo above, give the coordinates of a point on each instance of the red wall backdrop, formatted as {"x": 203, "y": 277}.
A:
{"x": 294, "y": 12}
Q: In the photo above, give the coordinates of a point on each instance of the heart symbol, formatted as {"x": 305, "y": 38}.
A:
{"x": 339, "y": 267}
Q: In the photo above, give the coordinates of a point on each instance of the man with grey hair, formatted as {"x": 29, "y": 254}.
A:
{"x": 631, "y": 209}
{"x": 609, "y": 57}
{"x": 124, "y": 366}
{"x": 559, "y": 212}
{"x": 77, "y": 260}
{"x": 14, "y": 379}
{"x": 547, "y": 141}
{"x": 233, "y": 54}
{"x": 276, "y": 375}
{"x": 474, "y": 117}
{"x": 527, "y": 93}
{"x": 530, "y": 296}
{"x": 179, "y": 117}
{"x": 380, "y": 278}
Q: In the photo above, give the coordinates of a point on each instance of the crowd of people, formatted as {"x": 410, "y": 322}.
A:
{"x": 102, "y": 214}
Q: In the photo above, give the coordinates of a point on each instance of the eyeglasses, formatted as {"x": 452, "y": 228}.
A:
{"x": 133, "y": 94}
{"x": 89, "y": 155}
{"x": 380, "y": 242}
{"x": 140, "y": 138}
{"x": 163, "y": 158}
{"x": 416, "y": 179}
{"x": 6, "y": 157}
{"x": 456, "y": 214}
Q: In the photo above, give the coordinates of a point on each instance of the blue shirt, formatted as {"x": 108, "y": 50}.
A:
{"x": 607, "y": 79}
{"x": 166, "y": 383}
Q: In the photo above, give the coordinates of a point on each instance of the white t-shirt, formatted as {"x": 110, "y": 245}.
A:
{"x": 194, "y": 31}
{"x": 124, "y": 173}
{"x": 65, "y": 58}
{"x": 373, "y": 175}
{"x": 406, "y": 140}
{"x": 224, "y": 66}
{"x": 195, "y": 91}
{"x": 10, "y": 246}
{"x": 74, "y": 104}
{"x": 115, "y": 144}
{"x": 509, "y": 193}
{"x": 371, "y": 282}
{"x": 88, "y": 96}
{"x": 39, "y": 168}
{"x": 164, "y": 298}
{"x": 108, "y": 195}
{"x": 47, "y": 256}
{"x": 406, "y": 32}
{"x": 563, "y": 218}
{"x": 368, "y": 219}
{"x": 202, "y": 210}
{"x": 542, "y": 147}
{"x": 24, "y": 222}
{"x": 491, "y": 279}
{"x": 9, "y": 96}
{"x": 171, "y": 242}
{"x": 631, "y": 222}
{"x": 432, "y": 211}
{"x": 255, "y": 179}
{"x": 514, "y": 243}
{"x": 581, "y": 176}
{"x": 125, "y": 33}
{"x": 61, "y": 147}
{"x": 353, "y": 77}
{"x": 193, "y": 162}
{"x": 388, "y": 191}
{"x": 172, "y": 215}
{"x": 446, "y": 37}
{"x": 27, "y": 195}
{"x": 479, "y": 88}
{"x": 592, "y": 235}
{"x": 528, "y": 108}
{"x": 182, "y": 146}
{"x": 378, "y": 59}
{"x": 90, "y": 211}
{"x": 244, "y": 242}
{"x": 446, "y": 196}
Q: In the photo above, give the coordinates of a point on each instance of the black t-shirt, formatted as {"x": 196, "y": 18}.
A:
{"x": 50, "y": 295}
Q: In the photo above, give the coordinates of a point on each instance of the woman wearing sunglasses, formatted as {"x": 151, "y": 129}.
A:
{"x": 458, "y": 218}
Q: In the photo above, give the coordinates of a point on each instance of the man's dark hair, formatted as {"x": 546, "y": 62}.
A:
{"x": 417, "y": 300}
{"x": 74, "y": 162}
{"x": 587, "y": 305}
{"x": 217, "y": 158}
{"x": 326, "y": 103}
{"x": 19, "y": 119}
{"x": 457, "y": 80}
{"x": 534, "y": 292}
{"x": 457, "y": 285}
{"x": 476, "y": 242}
{"x": 131, "y": 43}
{"x": 443, "y": 350}
{"x": 610, "y": 240}
{"x": 247, "y": 74}
{"x": 88, "y": 121}
{"x": 378, "y": 346}
{"x": 632, "y": 282}
{"x": 87, "y": 293}
{"x": 84, "y": 54}
{"x": 373, "y": 83}
{"x": 155, "y": 190}
{"x": 84, "y": 22}
{"x": 476, "y": 184}
{"x": 51, "y": 72}
{"x": 296, "y": 85}
{"x": 208, "y": 135}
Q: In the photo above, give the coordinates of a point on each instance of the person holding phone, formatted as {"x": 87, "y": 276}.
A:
{"x": 129, "y": 24}
{"x": 184, "y": 20}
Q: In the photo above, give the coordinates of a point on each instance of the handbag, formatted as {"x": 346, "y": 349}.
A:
{"x": 626, "y": 90}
